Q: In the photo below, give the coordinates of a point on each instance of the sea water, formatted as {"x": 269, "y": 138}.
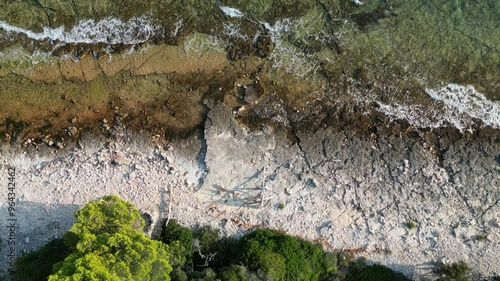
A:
{"x": 426, "y": 39}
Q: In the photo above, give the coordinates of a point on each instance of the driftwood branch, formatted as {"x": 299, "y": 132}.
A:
{"x": 208, "y": 257}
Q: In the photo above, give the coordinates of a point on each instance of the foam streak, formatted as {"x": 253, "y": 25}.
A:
{"x": 109, "y": 31}
{"x": 456, "y": 105}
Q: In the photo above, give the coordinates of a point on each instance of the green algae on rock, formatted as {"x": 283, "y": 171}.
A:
{"x": 304, "y": 53}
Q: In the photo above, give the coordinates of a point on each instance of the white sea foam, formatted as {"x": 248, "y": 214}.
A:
{"x": 18, "y": 57}
{"x": 465, "y": 99}
{"x": 177, "y": 27}
{"x": 287, "y": 56}
{"x": 199, "y": 43}
{"x": 357, "y": 2}
{"x": 110, "y": 31}
{"x": 425, "y": 117}
{"x": 233, "y": 30}
{"x": 456, "y": 105}
{"x": 232, "y": 12}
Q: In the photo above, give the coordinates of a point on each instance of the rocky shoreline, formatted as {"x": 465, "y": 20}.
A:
{"x": 320, "y": 119}
{"x": 340, "y": 188}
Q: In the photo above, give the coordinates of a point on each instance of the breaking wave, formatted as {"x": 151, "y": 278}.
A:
{"x": 455, "y": 105}
{"x": 109, "y": 31}
{"x": 466, "y": 100}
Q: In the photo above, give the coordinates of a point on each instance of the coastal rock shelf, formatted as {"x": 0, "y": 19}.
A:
{"x": 234, "y": 179}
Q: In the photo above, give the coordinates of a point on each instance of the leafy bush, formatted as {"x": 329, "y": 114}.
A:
{"x": 207, "y": 274}
{"x": 206, "y": 246}
{"x": 331, "y": 263}
{"x": 411, "y": 225}
{"x": 228, "y": 252}
{"x": 178, "y": 274}
{"x": 336, "y": 265}
{"x": 453, "y": 272}
{"x": 274, "y": 265}
{"x": 180, "y": 239}
{"x": 303, "y": 260}
{"x": 481, "y": 237}
{"x": 207, "y": 238}
{"x": 234, "y": 273}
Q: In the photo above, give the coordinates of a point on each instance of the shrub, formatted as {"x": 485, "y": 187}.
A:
{"x": 331, "y": 263}
{"x": 274, "y": 266}
{"x": 453, "y": 272}
{"x": 228, "y": 249}
{"x": 205, "y": 245}
{"x": 411, "y": 225}
{"x": 234, "y": 273}
{"x": 180, "y": 238}
{"x": 178, "y": 275}
{"x": 481, "y": 237}
{"x": 207, "y": 274}
{"x": 207, "y": 238}
{"x": 303, "y": 260}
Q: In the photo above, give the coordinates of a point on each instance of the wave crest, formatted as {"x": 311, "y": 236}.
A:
{"x": 456, "y": 105}
{"x": 110, "y": 31}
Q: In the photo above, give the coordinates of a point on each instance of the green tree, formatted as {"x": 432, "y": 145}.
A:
{"x": 233, "y": 273}
{"x": 206, "y": 245}
{"x": 207, "y": 238}
{"x": 108, "y": 244}
{"x": 180, "y": 240}
{"x": 178, "y": 274}
{"x": 274, "y": 265}
{"x": 265, "y": 249}
{"x": 207, "y": 274}
{"x": 107, "y": 215}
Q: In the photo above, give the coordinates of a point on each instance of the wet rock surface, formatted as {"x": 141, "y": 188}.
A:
{"x": 403, "y": 43}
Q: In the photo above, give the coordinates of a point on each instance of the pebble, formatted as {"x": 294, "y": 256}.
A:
{"x": 72, "y": 130}
{"x": 121, "y": 160}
